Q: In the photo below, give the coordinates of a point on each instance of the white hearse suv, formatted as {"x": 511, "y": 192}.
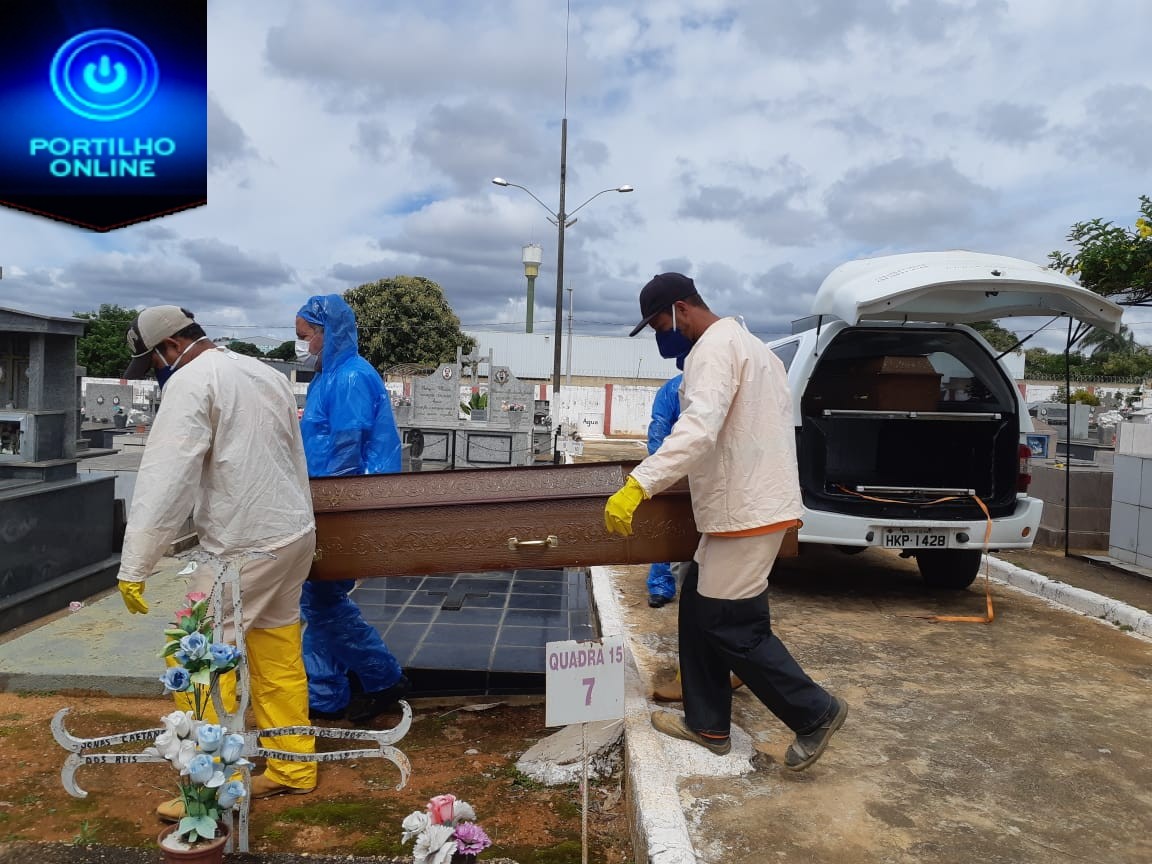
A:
{"x": 908, "y": 425}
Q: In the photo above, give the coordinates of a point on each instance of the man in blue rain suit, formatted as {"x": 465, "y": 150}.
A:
{"x": 348, "y": 429}
{"x": 665, "y": 413}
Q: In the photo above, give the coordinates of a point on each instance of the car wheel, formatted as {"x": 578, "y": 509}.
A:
{"x": 949, "y": 568}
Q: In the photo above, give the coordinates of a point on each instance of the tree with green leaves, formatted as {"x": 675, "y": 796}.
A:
{"x": 1107, "y": 344}
{"x": 245, "y": 348}
{"x": 283, "y": 351}
{"x": 996, "y": 336}
{"x": 1043, "y": 364}
{"x": 103, "y": 349}
{"x": 1084, "y": 397}
{"x": 406, "y": 319}
{"x": 1114, "y": 262}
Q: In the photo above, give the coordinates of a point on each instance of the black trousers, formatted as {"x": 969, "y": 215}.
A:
{"x": 722, "y": 636}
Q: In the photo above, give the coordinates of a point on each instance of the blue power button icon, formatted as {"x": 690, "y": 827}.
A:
{"x": 104, "y": 75}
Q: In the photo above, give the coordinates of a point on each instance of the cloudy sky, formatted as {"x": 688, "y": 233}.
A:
{"x": 767, "y": 141}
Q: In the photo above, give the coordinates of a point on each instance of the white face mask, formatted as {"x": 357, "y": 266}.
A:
{"x": 305, "y": 357}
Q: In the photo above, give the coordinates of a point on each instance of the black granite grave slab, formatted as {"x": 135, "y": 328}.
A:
{"x": 478, "y": 633}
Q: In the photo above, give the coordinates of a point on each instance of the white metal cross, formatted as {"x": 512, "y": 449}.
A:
{"x": 228, "y": 575}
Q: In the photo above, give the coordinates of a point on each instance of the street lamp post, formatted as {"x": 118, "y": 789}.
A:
{"x": 532, "y": 256}
{"x": 563, "y": 220}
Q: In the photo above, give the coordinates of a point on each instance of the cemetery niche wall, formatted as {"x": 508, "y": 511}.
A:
{"x": 57, "y": 539}
{"x": 444, "y": 429}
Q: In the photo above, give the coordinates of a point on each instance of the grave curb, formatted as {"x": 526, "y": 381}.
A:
{"x": 1087, "y": 603}
{"x": 656, "y": 818}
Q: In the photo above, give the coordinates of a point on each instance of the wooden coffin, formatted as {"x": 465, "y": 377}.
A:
{"x": 490, "y": 519}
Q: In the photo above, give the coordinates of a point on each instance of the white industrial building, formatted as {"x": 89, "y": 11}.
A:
{"x": 604, "y": 358}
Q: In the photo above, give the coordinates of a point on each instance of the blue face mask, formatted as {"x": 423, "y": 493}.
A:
{"x": 167, "y": 371}
{"x": 672, "y": 343}
{"x": 680, "y": 361}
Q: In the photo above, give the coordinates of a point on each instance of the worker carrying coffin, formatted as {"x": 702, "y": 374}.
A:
{"x": 348, "y": 429}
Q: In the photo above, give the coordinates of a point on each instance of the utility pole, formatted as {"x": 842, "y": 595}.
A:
{"x": 568, "y": 382}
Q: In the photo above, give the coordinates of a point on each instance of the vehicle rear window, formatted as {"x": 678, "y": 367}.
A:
{"x": 959, "y": 371}
{"x": 787, "y": 352}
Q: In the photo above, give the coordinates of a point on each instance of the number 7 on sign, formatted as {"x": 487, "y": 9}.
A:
{"x": 589, "y": 683}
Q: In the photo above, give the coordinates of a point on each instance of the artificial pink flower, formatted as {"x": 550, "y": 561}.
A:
{"x": 440, "y": 809}
{"x": 196, "y": 596}
{"x": 183, "y": 613}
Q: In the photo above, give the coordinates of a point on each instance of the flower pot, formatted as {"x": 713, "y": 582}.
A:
{"x": 457, "y": 858}
{"x": 201, "y": 852}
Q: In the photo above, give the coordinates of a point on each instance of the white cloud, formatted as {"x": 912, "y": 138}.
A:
{"x": 767, "y": 142}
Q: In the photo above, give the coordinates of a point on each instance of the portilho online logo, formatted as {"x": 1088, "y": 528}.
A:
{"x": 104, "y": 75}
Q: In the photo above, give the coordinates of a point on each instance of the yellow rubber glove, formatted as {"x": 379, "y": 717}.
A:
{"x": 620, "y": 507}
{"x": 133, "y": 594}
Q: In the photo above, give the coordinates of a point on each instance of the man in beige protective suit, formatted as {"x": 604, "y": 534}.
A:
{"x": 226, "y": 447}
{"x": 735, "y": 442}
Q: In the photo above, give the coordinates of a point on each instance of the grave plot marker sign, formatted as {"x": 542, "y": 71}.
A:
{"x": 584, "y": 681}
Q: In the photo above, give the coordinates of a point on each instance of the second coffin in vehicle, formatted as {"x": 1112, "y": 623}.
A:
{"x": 908, "y": 425}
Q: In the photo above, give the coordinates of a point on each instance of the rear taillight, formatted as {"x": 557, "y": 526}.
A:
{"x": 1024, "y": 471}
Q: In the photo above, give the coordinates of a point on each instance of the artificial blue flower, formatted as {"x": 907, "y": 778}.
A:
{"x": 230, "y": 793}
{"x": 210, "y": 736}
{"x": 176, "y": 680}
{"x": 194, "y": 646}
{"x": 231, "y": 748}
{"x": 200, "y": 769}
{"x": 223, "y": 655}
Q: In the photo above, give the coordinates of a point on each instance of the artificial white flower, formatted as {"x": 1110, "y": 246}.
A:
{"x": 444, "y": 854}
{"x": 432, "y": 843}
{"x": 414, "y": 823}
{"x": 179, "y": 723}
{"x": 167, "y": 745}
{"x": 462, "y": 812}
{"x": 184, "y": 755}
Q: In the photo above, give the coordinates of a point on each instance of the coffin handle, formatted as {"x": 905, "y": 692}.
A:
{"x": 551, "y": 542}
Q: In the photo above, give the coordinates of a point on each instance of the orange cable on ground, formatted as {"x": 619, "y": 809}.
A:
{"x": 989, "y": 616}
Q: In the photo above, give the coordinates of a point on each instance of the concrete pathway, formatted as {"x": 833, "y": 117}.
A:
{"x": 1021, "y": 741}
{"x": 100, "y": 647}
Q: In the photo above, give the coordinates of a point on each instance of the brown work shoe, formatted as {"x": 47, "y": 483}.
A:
{"x": 262, "y": 787}
{"x": 171, "y": 811}
{"x": 674, "y": 725}
{"x": 673, "y": 691}
{"x": 806, "y": 749}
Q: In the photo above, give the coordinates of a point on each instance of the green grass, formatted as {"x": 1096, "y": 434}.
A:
{"x": 381, "y": 846}
{"x": 521, "y": 780}
{"x": 564, "y": 852}
{"x": 87, "y": 834}
{"x": 365, "y": 817}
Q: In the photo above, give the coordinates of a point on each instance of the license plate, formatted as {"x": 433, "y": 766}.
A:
{"x": 913, "y": 538}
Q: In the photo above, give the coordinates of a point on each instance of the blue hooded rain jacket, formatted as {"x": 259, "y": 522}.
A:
{"x": 665, "y": 413}
{"x": 348, "y": 429}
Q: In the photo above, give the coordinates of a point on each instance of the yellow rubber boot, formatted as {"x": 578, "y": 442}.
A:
{"x": 280, "y": 698}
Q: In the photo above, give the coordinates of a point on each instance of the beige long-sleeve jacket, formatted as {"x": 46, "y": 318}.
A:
{"x": 226, "y": 448}
{"x": 734, "y": 439}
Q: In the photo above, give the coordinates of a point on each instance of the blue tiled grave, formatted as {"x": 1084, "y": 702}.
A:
{"x": 478, "y": 633}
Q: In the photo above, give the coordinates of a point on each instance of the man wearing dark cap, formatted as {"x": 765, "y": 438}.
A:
{"x": 226, "y": 447}
{"x": 736, "y": 444}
